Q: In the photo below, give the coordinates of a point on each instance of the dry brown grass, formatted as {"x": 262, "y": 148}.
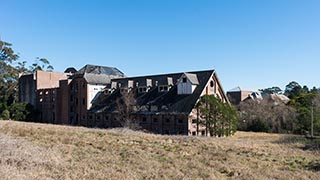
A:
{"x": 39, "y": 151}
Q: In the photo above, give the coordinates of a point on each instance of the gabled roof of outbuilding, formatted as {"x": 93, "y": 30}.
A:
{"x": 98, "y": 74}
{"x": 240, "y": 89}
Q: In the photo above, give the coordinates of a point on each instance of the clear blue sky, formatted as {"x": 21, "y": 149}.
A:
{"x": 250, "y": 43}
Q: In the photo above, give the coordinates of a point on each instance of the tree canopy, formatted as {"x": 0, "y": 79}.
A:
{"x": 10, "y": 68}
{"x": 219, "y": 118}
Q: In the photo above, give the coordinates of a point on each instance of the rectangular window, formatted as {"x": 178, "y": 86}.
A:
{"x": 83, "y": 101}
{"x": 106, "y": 117}
{"x": 194, "y": 133}
{"x": 184, "y": 80}
{"x": 194, "y": 121}
{"x": 180, "y": 121}
{"x": 155, "y": 119}
{"x": 167, "y": 120}
{"x": 144, "y": 119}
{"x": 203, "y": 133}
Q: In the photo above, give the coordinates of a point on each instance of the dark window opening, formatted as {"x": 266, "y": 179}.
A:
{"x": 184, "y": 80}
{"x": 83, "y": 101}
{"x": 211, "y": 84}
{"x": 194, "y": 133}
{"x": 167, "y": 120}
{"x": 90, "y": 117}
{"x": 144, "y": 119}
{"x": 194, "y": 121}
{"x": 155, "y": 119}
{"x": 180, "y": 121}
{"x": 106, "y": 118}
{"x": 98, "y": 117}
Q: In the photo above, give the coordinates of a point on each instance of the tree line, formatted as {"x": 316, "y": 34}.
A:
{"x": 300, "y": 115}
{"x": 10, "y": 68}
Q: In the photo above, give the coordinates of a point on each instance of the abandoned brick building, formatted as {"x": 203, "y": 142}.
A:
{"x": 163, "y": 104}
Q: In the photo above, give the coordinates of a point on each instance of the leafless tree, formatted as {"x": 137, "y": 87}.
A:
{"x": 126, "y": 104}
{"x": 269, "y": 114}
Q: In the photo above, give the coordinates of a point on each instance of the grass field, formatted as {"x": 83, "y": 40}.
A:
{"x": 40, "y": 151}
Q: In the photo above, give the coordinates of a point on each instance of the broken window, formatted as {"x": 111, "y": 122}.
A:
{"x": 184, "y": 80}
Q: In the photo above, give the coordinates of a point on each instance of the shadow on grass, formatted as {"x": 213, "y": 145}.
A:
{"x": 313, "y": 166}
{"x": 312, "y": 144}
{"x": 305, "y": 143}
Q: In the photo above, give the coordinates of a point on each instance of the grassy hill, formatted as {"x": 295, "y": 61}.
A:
{"x": 39, "y": 151}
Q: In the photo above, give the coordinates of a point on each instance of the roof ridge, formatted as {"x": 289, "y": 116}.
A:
{"x": 167, "y": 74}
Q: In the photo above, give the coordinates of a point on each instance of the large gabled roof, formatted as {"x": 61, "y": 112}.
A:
{"x": 168, "y": 102}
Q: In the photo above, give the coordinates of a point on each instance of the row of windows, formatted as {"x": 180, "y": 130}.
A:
{"x": 47, "y": 92}
{"x": 144, "y": 119}
{"x": 52, "y": 100}
{"x": 76, "y": 86}
{"x": 201, "y": 133}
{"x": 72, "y": 99}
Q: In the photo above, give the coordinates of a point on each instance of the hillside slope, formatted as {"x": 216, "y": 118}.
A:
{"x": 39, "y": 151}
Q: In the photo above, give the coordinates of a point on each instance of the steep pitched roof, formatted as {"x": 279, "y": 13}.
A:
{"x": 167, "y": 102}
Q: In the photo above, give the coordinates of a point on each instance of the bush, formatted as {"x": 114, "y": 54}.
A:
{"x": 18, "y": 111}
{"x": 5, "y": 115}
{"x": 258, "y": 126}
